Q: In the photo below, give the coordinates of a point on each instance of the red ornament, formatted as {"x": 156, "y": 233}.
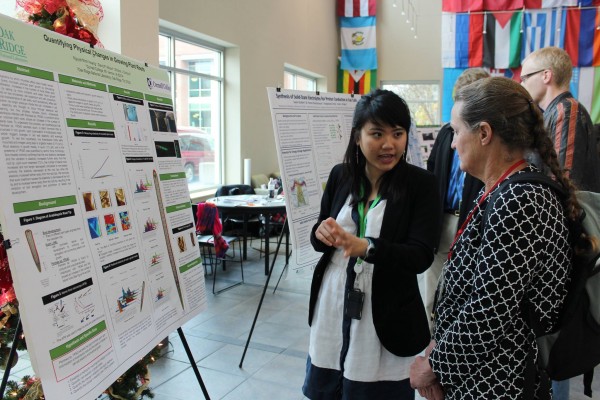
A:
{"x": 6, "y": 281}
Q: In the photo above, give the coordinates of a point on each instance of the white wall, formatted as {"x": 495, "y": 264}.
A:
{"x": 263, "y": 35}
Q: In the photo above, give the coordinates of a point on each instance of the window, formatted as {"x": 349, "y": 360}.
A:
{"x": 423, "y": 99}
{"x": 195, "y": 70}
{"x": 298, "y": 81}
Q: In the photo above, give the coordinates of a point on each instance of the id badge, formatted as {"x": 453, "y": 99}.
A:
{"x": 354, "y": 304}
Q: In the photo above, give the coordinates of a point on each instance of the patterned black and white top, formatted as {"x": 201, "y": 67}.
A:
{"x": 482, "y": 338}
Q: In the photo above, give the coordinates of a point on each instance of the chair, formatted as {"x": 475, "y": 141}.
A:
{"x": 229, "y": 222}
{"x": 213, "y": 245}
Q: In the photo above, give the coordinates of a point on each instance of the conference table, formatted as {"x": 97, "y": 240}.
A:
{"x": 248, "y": 206}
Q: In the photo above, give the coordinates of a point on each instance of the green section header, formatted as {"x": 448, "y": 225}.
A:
{"x": 78, "y": 341}
{"x": 190, "y": 265}
{"x": 69, "y": 80}
{"x": 178, "y": 207}
{"x": 171, "y": 176}
{"x": 44, "y": 204}
{"x": 82, "y": 123}
{"x": 157, "y": 99}
{"x": 28, "y": 71}
{"x": 126, "y": 92}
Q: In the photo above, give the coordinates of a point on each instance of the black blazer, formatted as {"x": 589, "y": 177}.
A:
{"x": 404, "y": 249}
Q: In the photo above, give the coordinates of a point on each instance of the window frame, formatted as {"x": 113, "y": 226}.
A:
{"x": 173, "y": 36}
{"x": 297, "y": 72}
{"x": 419, "y": 101}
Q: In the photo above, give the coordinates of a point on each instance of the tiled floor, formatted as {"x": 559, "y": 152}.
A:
{"x": 274, "y": 364}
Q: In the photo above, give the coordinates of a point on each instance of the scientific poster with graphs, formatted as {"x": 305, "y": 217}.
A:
{"x": 95, "y": 203}
{"x": 312, "y": 131}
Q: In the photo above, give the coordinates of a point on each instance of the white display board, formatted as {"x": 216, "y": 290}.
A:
{"x": 95, "y": 203}
{"x": 312, "y": 131}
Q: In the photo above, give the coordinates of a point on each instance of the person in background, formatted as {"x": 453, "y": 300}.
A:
{"x": 481, "y": 338}
{"x": 377, "y": 229}
{"x": 457, "y": 188}
{"x": 546, "y": 74}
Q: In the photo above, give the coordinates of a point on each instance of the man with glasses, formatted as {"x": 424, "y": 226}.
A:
{"x": 546, "y": 74}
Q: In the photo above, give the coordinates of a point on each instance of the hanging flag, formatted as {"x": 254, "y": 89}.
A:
{"x": 357, "y": 82}
{"x": 596, "y": 60}
{"x": 356, "y": 8}
{"x": 457, "y": 6}
{"x": 585, "y": 88}
{"x": 543, "y": 28}
{"x": 595, "y": 109}
{"x": 358, "y": 43}
{"x": 549, "y": 3}
{"x": 462, "y": 40}
{"x": 449, "y": 79}
{"x": 579, "y": 36}
{"x": 505, "y": 5}
{"x": 502, "y": 40}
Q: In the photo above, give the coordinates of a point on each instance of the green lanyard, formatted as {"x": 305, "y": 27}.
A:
{"x": 362, "y": 217}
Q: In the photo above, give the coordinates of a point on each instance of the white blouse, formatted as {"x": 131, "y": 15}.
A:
{"x": 367, "y": 360}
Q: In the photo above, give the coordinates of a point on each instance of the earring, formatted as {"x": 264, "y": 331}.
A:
{"x": 356, "y": 154}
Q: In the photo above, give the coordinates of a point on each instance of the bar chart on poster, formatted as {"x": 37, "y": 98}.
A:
{"x": 95, "y": 203}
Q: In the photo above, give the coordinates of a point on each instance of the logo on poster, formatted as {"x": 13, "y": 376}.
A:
{"x": 6, "y": 43}
{"x": 152, "y": 84}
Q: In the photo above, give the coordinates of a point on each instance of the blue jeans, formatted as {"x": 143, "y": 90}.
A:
{"x": 560, "y": 390}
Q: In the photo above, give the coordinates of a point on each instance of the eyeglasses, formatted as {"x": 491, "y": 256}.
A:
{"x": 527, "y": 76}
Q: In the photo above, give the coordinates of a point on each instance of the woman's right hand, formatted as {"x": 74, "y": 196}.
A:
{"x": 328, "y": 231}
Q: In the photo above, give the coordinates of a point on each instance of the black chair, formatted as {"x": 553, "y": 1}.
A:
{"x": 233, "y": 225}
{"x": 210, "y": 245}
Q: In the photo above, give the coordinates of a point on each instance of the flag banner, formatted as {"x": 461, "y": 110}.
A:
{"x": 503, "y": 5}
{"x": 356, "y": 8}
{"x": 462, "y": 40}
{"x": 579, "y": 36}
{"x": 543, "y": 28}
{"x": 549, "y": 3}
{"x": 595, "y": 109}
{"x": 585, "y": 92}
{"x": 574, "y": 84}
{"x": 358, "y": 43}
{"x": 502, "y": 40}
{"x": 449, "y": 79}
{"x": 596, "y": 60}
{"x": 357, "y": 82}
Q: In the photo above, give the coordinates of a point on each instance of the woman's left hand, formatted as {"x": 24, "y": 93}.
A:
{"x": 421, "y": 374}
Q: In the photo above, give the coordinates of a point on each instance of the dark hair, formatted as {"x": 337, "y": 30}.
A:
{"x": 509, "y": 110}
{"x": 385, "y": 108}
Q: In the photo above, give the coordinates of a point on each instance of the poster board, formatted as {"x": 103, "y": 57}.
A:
{"x": 312, "y": 131}
{"x": 95, "y": 203}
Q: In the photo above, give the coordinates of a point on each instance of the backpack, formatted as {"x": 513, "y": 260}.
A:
{"x": 573, "y": 346}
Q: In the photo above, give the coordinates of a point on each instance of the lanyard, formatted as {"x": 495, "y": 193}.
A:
{"x": 362, "y": 216}
{"x": 362, "y": 228}
{"x": 470, "y": 216}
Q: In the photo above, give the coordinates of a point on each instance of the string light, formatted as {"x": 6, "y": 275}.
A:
{"x": 409, "y": 12}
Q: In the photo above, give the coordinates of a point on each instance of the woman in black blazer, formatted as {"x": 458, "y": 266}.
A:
{"x": 377, "y": 229}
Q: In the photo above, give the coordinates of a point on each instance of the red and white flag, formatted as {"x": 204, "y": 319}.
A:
{"x": 356, "y": 8}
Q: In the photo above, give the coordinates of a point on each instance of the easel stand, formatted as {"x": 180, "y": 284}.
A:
{"x": 194, "y": 366}
{"x": 11, "y": 357}
{"x": 17, "y": 339}
{"x": 262, "y": 297}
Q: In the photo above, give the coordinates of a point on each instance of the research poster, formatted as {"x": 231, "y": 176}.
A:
{"x": 312, "y": 131}
{"x": 95, "y": 203}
